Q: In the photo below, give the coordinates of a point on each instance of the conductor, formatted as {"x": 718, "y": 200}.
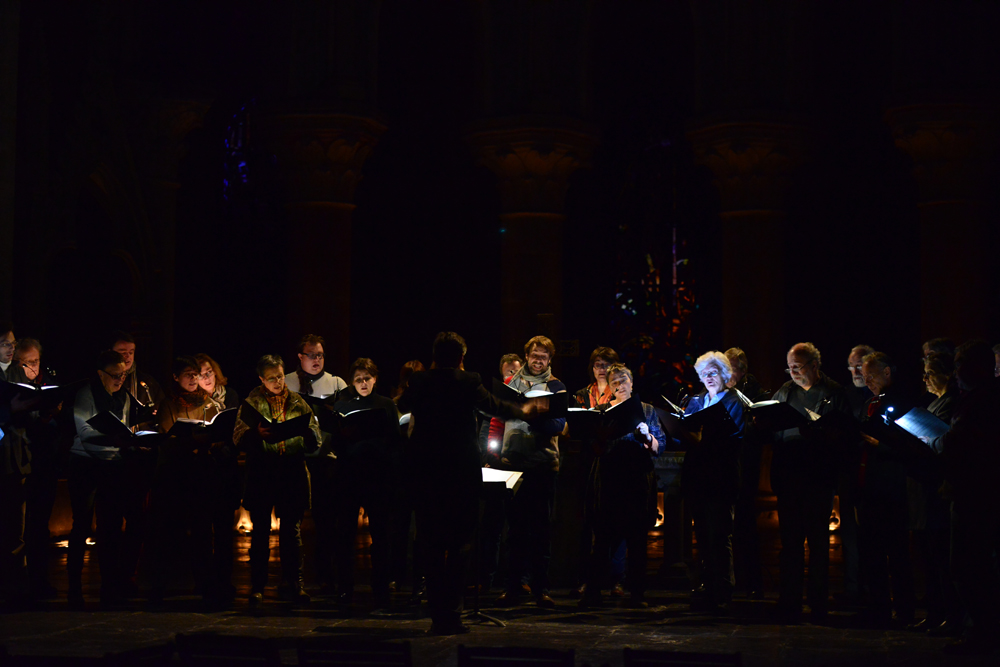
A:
{"x": 445, "y": 458}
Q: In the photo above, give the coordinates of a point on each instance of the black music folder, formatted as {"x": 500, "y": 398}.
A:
{"x": 219, "y": 428}
{"x": 108, "y": 424}
{"x": 613, "y": 422}
{"x": 558, "y": 403}
{"x": 291, "y": 428}
{"x": 41, "y": 398}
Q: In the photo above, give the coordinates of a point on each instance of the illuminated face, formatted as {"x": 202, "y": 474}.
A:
{"x": 876, "y": 379}
{"x": 207, "y": 380}
{"x": 600, "y": 369}
{"x": 312, "y": 359}
{"x": 803, "y": 370}
{"x": 621, "y": 386}
{"x": 7, "y": 347}
{"x": 935, "y": 382}
{"x": 188, "y": 379}
{"x": 363, "y": 382}
{"x": 127, "y": 350}
{"x": 113, "y": 377}
{"x": 273, "y": 379}
{"x": 854, "y": 366}
{"x": 712, "y": 379}
{"x": 538, "y": 360}
{"x": 31, "y": 362}
{"x": 510, "y": 368}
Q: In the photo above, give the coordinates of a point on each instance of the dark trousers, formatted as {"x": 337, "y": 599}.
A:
{"x": 322, "y": 470}
{"x": 116, "y": 492}
{"x": 974, "y": 539}
{"x": 804, "y": 516}
{"x": 606, "y": 563}
{"x": 357, "y": 488}
{"x": 289, "y": 545}
{"x": 941, "y": 597}
{"x": 529, "y": 531}
{"x": 490, "y": 534}
{"x": 713, "y": 526}
{"x": 849, "y": 539}
{"x": 445, "y": 528}
{"x": 13, "y": 582}
{"x": 40, "y": 497}
{"x": 885, "y": 551}
{"x": 212, "y": 547}
{"x": 748, "y": 569}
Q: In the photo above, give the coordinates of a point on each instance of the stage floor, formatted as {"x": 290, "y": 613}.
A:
{"x": 598, "y": 636}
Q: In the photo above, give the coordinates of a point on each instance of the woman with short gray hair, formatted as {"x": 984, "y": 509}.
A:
{"x": 710, "y": 478}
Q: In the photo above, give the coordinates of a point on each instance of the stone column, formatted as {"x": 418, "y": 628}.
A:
{"x": 533, "y": 159}
{"x": 751, "y": 163}
{"x": 952, "y": 147}
{"x": 159, "y": 154}
{"x": 320, "y": 156}
{"x": 10, "y": 13}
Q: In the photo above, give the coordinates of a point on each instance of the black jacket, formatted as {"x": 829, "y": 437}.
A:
{"x": 443, "y": 450}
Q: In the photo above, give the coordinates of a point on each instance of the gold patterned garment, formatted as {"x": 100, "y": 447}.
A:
{"x": 282, "y": 407}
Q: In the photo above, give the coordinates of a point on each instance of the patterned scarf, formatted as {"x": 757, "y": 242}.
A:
{"x": 277, "y": 404}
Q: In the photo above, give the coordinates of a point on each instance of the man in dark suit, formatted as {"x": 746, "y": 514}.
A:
{"x": 445, "y": 461}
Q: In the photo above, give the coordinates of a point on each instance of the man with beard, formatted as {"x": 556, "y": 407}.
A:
{"x": 532, "y": 448}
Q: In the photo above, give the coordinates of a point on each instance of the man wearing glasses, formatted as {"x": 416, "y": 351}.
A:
{"x": 99, "y": 480}
{"x": 310, "y": 377}
{"x": 803, "y": 477}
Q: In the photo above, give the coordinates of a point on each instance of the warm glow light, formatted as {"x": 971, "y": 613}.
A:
{"x": 493, "y": 444}
{"x": 245, "y": 527}
{"x": 834, "y": 521}
{"x": 90, "y": 542}
{"x": 659, "y": 508}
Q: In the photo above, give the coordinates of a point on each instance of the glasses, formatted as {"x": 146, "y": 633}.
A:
{"x": 316, "y": 356}
{"x": 115, "y": 376}
{"x": 275, "y": 379}
{"x": 192, "y": 376}
{"x": 852, "y": 369}
{"x": 709, "y": 375}
{"x": 795, "y": 369}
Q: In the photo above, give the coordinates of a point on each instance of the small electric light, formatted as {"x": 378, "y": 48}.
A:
{"x": 493, "y": 444}
{"x": 889, "y": 409}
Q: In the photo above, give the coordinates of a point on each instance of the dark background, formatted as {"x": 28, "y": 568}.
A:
{"x": 871, "y": 232}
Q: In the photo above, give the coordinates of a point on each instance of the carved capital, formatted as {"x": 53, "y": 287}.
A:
{"x": 321, "y": 154}
{"x": 751, "y": 162}
{"x": 533, "y": 159}
{"x": 951, "y": 146}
